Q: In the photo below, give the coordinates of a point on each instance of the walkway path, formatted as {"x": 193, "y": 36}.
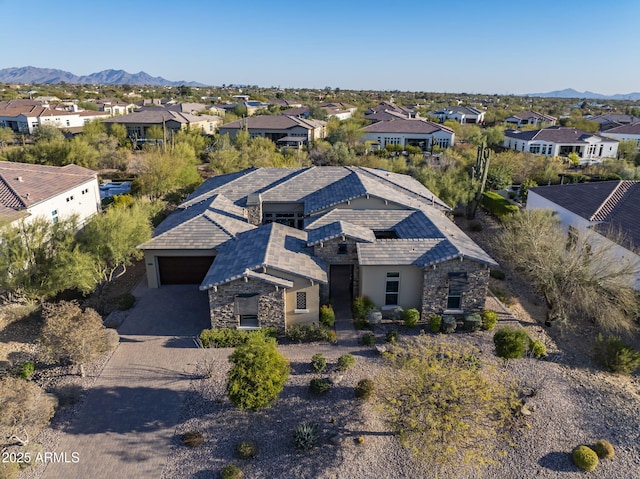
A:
{"x": 127, "y": 422}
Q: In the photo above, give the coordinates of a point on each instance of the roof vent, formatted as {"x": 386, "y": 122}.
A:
{"x": 19, "y": 178}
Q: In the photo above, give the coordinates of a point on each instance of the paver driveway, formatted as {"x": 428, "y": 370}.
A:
{"x": 125, "y": 426}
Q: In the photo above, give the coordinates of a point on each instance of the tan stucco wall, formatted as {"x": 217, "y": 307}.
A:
{"x": 313, "y": 299}
{"x": 373, "y": 280}
{"x": 151, "y": 261}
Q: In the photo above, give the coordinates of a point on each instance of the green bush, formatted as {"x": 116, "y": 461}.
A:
{"x": 391, "y": 336}
{"x": 472, "y": 322}
{"x": 26, "y": 370}
{"x": 510, "y": 342}
{"x": 361, "y": 324}
{"x": 497, "y": 205}
{"x": 308, "y": 333}
{"x": 604, "y": 449}
{"x": 449, "y": 324}
{"x": 361, "y": 307}
{"x": 305, "y": 435}
{"x": 435, "y": 323}
{"x": 258, "y": 373}
{"x": 319, "y": 386}
{"x": 368, "y": 339}
{"x": 364, "y": 389}
{"x": 537, "y": 349}
{"x": 126, "y": 301}
{"x": 411, "y": 317}
{"x": 585, "y": 458}
{"x": 345, "y": 362}
{"x": 192, "y": 439}
{"x": 231, "y": 338}
{"x": 615, "y": 355}
{"x": 497, "y": 274}
{"x": 318, "y": 362}
{"x": 246, "y": 449}
{"x": 489, "y": 319}
{"x": 231, "y": 472}
{"x": 327, "y": 316}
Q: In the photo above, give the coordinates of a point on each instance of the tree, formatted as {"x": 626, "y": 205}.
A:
{"x": 579, "y": 277}
{"x": 161, "y": 172}
{"x": 444, "y": 406}
{"x": 258, "y": 373}
{"x": 72, "y": 335}
{"x": 47, "y": 133}
{"x": 24, "y": 409}
{"x": 6, "y": 136}
{"x": 627, "y": 149}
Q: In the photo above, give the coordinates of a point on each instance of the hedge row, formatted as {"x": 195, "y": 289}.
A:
{"x": 498, "y": 205}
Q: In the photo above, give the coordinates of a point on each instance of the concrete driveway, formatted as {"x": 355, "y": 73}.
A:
{"x": 126, "y": 424}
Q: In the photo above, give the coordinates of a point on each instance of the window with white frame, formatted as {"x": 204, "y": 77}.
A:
{"x": 392, "y": 289}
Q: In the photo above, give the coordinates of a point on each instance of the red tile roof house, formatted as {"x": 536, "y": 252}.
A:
{"x": 562, "y": 141}
{"x": 270, "y": 245}
{"x": 601, "y": 207}
{"x": 53, "y": 192}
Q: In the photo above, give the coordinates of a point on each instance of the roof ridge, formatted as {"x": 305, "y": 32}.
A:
{"x": 622, "y": 188}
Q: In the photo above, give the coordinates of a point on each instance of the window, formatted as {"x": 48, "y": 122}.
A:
{"x": 301, "y": 302}
{"x": 385, "y": 234}
{"x": 342, "y": 248}
{"x": 392, "y": 289}
{"x": 69, "y": 198}
{"x": 246, "y": 309}
{"x": 458, "y": 283}
{"x": 54, "y": 216}
{"x": 535, "y": 149}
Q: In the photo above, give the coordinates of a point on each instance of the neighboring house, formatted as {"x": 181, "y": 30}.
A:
{"x": 193, "y": 108}
{"x": 534, "y": 118}
{"x": 415, "y": 132}
{"x": 271, "y": 245}
{"x": 461, "y": 114}
{"x": 115, "y": 108}
{"x": 386, "y": 111}
{"x": 604, "y": 207}
{"x": 53, "y": 192}
{"x": 286, "y": 103}
{"x": 299, "y": 112}
{"x": 139, "y": 122}
{"x": 26, "y": 119}
{"x": 562, "y": 141}
{"x": 613, "y": 120}
{"x": 625, "y": 133}
{"x": 284, "y": 130}
{"x": 341, "y": 111}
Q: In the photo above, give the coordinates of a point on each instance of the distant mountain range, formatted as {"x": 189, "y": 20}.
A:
{"x": 587, "y": 95}
{"x": 40, "y": 76}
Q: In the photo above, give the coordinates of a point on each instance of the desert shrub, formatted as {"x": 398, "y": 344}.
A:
{"x": 364, "y": 389}
{"x": 449, "y": 324}
{"x": 345, "y": 362}
{"x": 192, "y": 438}
{"x": 68, "y": 394}
{"x": 397, "y": 313}
{"x": 26, "y": 370}
{"x": 318, "y": 362}
{"x": 231, "y": 338}
{"x": 585, "y": 458}
{"x": 368, "y": 339}
{"x": 258, "y": 373}
{"x": 361, "y": 324}
{"x": 604, "y": 449}
{"x": 615, "y": 355}
{"x": 435, "y": 323}
{"x": 111, "y": 339}
{"x": 319, "y": 386}
{"x": 327, "y": 316}
{"x": 489, "y": 319}
{"x": 411, "y": 317}
{"x": 475, "y": 225}
{"x": 305, "y": 435}
{"x": 472, "y": 322}
{"x": 9, "y": 470}
{"x": 537, "y": 349}
{"x": 391, "y": 336}
{"x": 231, "y": 471}
{"x": 510, "y": 342}
{"x": 126, "y": 301}
{"x": 497, "y": 274}
{"x": 246, "y": 449}
{"x": 361, "y": 307}
{"x": 307, "y": 333}
{"x": 30, "y": 452}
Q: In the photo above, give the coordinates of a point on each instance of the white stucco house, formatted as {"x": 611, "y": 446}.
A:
{"x": 52, "y": 192}
{"x": 561, "y": 141}
{"x": 409, "y": 132}
{"x": 625, "y": 133}
{"x": 26, "y": 119}
{"x": 531, "y": 118}
{"x": 461, "y": 114}
{"x": 601, "y": 207}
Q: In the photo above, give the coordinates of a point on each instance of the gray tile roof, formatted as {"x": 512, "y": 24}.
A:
{"x": 338, "y": 229}
{"x": 273, "y": 246}
{"x": 632, "y": 129}
{"x": 271, "y": 122}
{"x": 413, "y": 125}
{"x": 418, "y": 252}
{"x": 158, "y": 115}
{"x": 556, "y": 134}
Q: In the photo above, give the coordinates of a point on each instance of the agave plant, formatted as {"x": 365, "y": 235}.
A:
{"x": 305, "y": 435}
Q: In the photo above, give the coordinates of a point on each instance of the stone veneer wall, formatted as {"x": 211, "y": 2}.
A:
{"x": 435, "y": 286}
{"x": 271, "y": 305}
{"x": 329, "y": 253}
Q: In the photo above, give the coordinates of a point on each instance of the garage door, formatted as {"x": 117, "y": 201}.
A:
{"x": 183, "y": 269}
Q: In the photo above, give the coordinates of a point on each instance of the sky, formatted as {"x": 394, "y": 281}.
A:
{"x": 455, "y": 46}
